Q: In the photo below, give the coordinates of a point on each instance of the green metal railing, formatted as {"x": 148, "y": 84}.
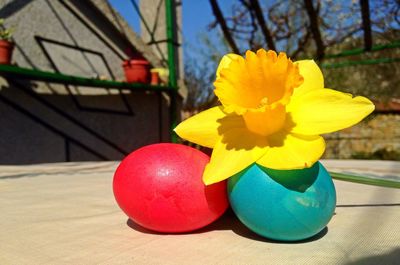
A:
{"x": 360, "y": 62}
{"x": 360, "y": 51}
{"x": 170, "y": 18}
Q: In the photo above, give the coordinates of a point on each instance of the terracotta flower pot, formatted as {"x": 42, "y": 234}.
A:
{"x": 6, "y": 49}
{"x": 137, "y": 71}
{"x": 155, "y": 77}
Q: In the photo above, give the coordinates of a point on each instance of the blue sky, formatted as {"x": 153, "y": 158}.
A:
{"x": 196, "y": 15}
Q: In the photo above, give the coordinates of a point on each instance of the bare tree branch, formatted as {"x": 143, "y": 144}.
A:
{"x": 366, "y": 24}
{"x": 254, "y": 27}
{"x": 294, "y": 26}
{"x": 313, "y": 16}
{"x": 261, "y": 21}
{"x": 221, "y": 21}
{"x": 300, "y": 46}
{"x": 340, "y": 39}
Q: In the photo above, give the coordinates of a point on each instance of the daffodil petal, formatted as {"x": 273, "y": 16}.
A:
{"x": 202, "y": 128}
{"x": 228, "y": 158}
{"x": 256, "y": 82}
{"x": 325, "y": 110}
{"x": 225, "y": 62}
{"x": 313, "y": 78}
{"x": 290, "y": 151}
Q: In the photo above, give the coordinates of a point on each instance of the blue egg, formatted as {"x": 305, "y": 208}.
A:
{"x": 286, "y": 205}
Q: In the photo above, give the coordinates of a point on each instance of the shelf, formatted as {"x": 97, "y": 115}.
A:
{"x": 38, "y": 75}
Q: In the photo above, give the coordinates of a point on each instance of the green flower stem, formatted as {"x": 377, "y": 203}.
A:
{"x": 366, "y": 180}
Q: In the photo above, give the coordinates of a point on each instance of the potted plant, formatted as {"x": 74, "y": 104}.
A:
{"x": 6, "y": 45}
{"x": 137, "y": 69}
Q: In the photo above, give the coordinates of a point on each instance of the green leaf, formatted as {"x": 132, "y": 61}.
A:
{"x": 366, "y": 180}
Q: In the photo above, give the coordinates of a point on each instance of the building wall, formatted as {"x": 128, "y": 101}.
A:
{"x": 153, "y": 12}
{"x": 44, "y": 122}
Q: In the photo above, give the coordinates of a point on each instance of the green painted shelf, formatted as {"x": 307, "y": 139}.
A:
{"x": 38, "y": 75}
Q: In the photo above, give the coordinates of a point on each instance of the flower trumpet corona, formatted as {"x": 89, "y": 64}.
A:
{"x": 273, "y": 112}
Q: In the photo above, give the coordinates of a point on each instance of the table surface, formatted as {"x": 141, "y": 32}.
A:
{"x": 65, "y": 213}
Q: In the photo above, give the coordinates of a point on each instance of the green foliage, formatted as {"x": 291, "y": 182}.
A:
{"x": 5, "y": 34}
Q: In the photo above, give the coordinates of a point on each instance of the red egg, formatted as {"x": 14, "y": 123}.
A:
{"x": 160, "y": 187}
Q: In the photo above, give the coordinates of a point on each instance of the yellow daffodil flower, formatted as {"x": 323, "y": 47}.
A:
{"x": 273, "y": 112}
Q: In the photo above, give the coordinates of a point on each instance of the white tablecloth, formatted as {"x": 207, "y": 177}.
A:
{"x": 65, "y": 213}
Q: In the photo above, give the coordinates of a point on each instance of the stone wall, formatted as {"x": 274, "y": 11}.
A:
{"x": 378, "y": 136}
